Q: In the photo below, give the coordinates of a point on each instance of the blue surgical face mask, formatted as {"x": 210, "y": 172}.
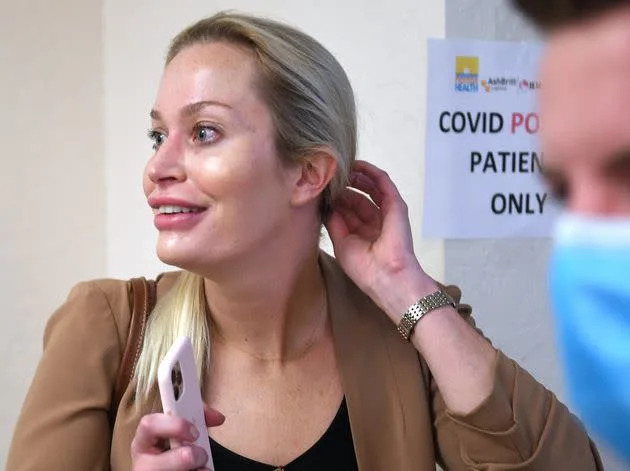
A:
{"x": 590, "y": 288}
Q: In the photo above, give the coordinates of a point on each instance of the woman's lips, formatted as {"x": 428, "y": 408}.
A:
{"x": 177, "y": 221}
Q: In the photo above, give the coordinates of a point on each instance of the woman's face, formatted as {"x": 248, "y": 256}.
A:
{"x": 215, "y": 182}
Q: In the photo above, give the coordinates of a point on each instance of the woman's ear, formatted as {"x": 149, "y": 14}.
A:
{"x": 315, "y": 172}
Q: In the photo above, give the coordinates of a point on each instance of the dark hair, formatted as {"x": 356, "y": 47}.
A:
{"x": 552, "y": 13}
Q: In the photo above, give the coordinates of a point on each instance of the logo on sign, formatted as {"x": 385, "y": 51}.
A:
{"x": 499, "y": 84}
{"x": 466, "y": 74}
{"x": 526, "y": 85}
{"x": 504, "y": 84}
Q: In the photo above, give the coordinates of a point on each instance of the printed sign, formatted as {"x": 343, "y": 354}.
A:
{"x": 483, "y": 164}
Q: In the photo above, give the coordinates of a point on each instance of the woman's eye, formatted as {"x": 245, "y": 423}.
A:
{"x": 157, "y": 137}
{"x": 205, "y": 134}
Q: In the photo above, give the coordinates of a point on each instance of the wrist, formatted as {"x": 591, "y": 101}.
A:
{"x": 443, "y": 319}
{"x": 398, "y": 292}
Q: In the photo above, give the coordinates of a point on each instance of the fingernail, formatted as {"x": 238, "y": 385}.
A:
{"x": 200, "y": 456}
{"x": 194, "y": 433}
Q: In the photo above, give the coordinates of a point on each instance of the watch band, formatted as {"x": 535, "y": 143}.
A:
{"x": 419, "y": 309}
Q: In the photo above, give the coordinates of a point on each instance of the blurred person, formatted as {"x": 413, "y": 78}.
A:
{"x": 306, "y": 361}
{"x": 585, "y": 132}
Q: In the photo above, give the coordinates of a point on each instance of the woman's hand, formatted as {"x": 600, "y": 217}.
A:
{"x": 373, "y": 243}
{"x": 149, "y": 448}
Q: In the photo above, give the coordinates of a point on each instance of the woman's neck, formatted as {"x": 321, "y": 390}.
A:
{"x": 271, "y": 311}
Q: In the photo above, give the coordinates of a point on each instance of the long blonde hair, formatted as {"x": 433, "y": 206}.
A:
{"x": 312, "y": 104}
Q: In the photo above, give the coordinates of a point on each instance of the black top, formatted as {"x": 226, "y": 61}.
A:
{"x": 333, "y": 451}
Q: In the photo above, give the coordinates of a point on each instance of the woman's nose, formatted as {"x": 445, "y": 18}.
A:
{"x": 167, "y": 164}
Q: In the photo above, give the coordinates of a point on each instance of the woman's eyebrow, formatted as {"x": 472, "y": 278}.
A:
{"x": 191, "y": 108}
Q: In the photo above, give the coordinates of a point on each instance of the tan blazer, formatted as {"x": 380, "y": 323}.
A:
{"x": 397, "y": 415}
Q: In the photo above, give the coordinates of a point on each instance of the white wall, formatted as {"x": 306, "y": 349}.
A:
{"x": 382, "y": 48}
{"x": 52, "y": 185}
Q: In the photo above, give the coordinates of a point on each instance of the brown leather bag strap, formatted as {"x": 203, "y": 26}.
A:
{"x": 142, "y": 300}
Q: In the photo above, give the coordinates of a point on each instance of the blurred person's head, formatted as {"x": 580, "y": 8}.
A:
{"x": 585, "y": 134}
{"x": 584, "y": 102}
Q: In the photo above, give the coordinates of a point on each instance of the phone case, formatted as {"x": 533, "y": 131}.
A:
{"x": 180, "y": 391}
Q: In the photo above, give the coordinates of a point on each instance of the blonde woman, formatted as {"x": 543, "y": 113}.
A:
{"x": 306, "y": 362}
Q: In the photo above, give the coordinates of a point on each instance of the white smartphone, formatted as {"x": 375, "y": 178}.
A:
{"x": 180, "y": 391}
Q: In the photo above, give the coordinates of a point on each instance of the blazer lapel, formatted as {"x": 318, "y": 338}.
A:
{"x": 387, "y": 398}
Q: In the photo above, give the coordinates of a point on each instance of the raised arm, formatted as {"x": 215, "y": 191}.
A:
{"x": 489, "y": 413}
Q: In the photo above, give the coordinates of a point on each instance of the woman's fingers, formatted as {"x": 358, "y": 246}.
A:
{"x": 353, "y": 225}
{"x": 376, "y": 211}
{"x": 179, "y": 459}
{"x": 337, "y": 227}
{"x": 364, "y": 183}
{"x": 154, "y": 429}
{"x": 361, "y": 205}
{"x": 381, "y": 184}
{"x": 351, "y": 220}
{"x": 148, "y": 448}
